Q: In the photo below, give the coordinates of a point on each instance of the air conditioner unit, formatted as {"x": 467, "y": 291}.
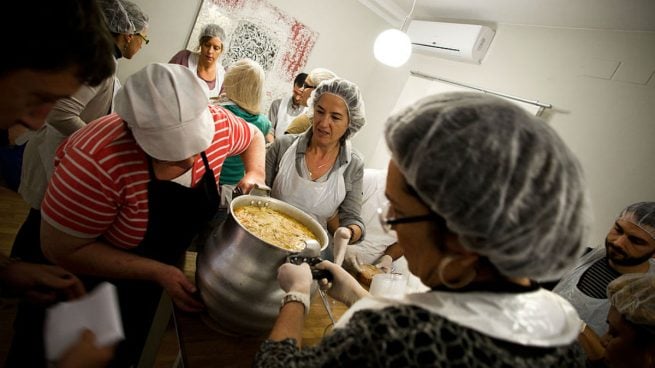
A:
{"x": 462, "y": 42}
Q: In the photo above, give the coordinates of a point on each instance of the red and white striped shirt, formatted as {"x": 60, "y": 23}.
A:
{"x": 100, "y": 184}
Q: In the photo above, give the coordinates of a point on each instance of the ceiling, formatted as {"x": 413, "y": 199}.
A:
{"x": 628, "y": 15}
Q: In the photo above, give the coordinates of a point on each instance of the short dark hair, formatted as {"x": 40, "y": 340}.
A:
{"x": 58, "y": 35}
{"x": 300, "y": 79}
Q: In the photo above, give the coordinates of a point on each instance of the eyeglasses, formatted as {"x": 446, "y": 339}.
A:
{"x": 386, "y": 222}
{"x": 305, "y": 85}
{"x": 146, "y": 40}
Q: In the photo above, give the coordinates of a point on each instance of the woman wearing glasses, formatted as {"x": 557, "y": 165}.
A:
{"x": 128, "y": 25}
{"x": 484, "y": 198}
{"x": 301, "y": 123}
{"x": 205, "y": 62}
{"x": 319, "y": 171}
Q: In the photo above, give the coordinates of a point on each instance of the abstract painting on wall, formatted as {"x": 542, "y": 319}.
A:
{"x": 257, "y": 30}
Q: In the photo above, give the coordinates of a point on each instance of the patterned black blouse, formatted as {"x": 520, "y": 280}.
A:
{"x": 410, "y": 336}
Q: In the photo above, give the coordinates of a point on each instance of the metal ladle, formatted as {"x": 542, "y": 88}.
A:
{"x": 313, "y": 249}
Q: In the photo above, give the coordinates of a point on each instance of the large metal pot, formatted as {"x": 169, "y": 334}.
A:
{"x": 236, "y": 272}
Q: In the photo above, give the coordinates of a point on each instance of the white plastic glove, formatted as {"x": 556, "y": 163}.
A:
{"x": 344, "y": 287}
{"x": 352, "y": 262}
{"x": 295, "y": 277}
{"x": 341, "y": 239}
{"x": 384, "y": 263}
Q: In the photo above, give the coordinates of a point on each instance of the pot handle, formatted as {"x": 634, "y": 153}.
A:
{"x": 259, "y": 190}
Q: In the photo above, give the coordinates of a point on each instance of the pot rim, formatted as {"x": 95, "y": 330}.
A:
{"x": 248, "y": 199}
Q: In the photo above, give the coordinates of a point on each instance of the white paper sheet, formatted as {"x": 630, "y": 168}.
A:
{"x": 97, "y": 311}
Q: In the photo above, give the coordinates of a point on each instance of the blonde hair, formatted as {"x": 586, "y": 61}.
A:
{"x": 243, "y": 84}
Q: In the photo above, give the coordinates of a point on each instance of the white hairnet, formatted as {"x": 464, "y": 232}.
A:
{"x": 641, "y": 214}
{"x": 502, "y": 179}
{"x": 212, "y": 30}
{"x": 633, "y": 295}
{"x": 244, "y": 84}
{"x": 318, "y": 75}
{"x": 349, "y": 93}
{"x": 124, "y": 16}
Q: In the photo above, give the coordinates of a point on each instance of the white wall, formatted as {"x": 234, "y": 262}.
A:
{"x": 346, "y": 33}
{"x": 609, "y": 123}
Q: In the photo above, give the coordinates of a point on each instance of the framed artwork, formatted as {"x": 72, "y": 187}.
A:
{"x": 258, "y": 30}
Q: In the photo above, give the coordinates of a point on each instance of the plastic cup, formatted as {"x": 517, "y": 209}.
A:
{"x": 388, "y": 285}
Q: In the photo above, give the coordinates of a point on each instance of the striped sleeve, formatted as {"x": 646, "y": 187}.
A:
{"x": 100, "y": 185}
{"x": 231, "y": 137}
{"x": 81, "y": 199}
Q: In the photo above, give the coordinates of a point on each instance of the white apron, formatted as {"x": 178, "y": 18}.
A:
{"x": 283, "y": 116}
{"x": 220, "y": 75}
{"x": 591, "y": 310}
{"x": 319, "y": 199}
{"x": 117, "y": 86}
{"x": 538, "y": 318}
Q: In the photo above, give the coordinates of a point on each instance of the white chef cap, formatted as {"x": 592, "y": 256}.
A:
{"x": 165, "y": 107}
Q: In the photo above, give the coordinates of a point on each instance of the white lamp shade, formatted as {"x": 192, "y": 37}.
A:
{"x": 392, "y": 47}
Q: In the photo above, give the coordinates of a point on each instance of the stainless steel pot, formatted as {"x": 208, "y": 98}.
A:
{"x": 236, "y": 272}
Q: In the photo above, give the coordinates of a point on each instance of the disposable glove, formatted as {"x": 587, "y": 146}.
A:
{"x": 384, "y": 263}
{"x": 344, "y": 287}
{"x": 295, "y": 277}
{"x": 341, "y": 239}
{"x": 352, "y": 261}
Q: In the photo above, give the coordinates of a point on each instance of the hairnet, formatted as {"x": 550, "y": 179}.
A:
{"x": 243, "y": 84}
{"x": 641, "y": 214}
{"x": 124, "y": 16}
{"x": 633, "y": 295}
{"x": 212, "y": 30}
{"x": 349, "y": 93}
{"x": 502, "y": 179}
{"x": 318, "y": 75}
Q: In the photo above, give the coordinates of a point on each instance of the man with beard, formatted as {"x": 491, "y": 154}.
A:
{"x": 629, "y": 248}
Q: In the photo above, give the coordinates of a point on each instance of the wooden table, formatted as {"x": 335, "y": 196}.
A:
{"x": 202, "y": 346}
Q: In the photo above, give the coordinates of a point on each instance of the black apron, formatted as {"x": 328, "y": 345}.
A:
{"x": 175, "y": 215}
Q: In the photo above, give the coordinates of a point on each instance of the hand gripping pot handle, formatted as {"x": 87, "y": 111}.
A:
{"x": 259, "y": 190}
{"x": 310, "y": 255}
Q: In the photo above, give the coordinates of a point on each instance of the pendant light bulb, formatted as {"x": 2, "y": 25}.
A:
{"x": 392, "y": 47}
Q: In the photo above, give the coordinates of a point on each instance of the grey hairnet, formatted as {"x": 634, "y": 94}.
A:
{"x": 502, "y": 179}
{"x": 212, "y": 30}
{"x": 641, "y": 214}
{"x": 633, "y": 295}
{"x": 349, "y": 93}
{"x": 124, "y": 16}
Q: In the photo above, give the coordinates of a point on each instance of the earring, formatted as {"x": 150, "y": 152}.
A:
{"x": 441, "y": 269}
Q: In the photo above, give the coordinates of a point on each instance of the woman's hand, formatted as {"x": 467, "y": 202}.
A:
{"x": 384, "y": 263}
{"x": 341, "y": 238}
{"x": 180, "y": 289}
{"x": 41, "y": 283}
{"x": 85, "y": 353}
{"x": 344, "y": 287}
{"x": 295, "y": 277}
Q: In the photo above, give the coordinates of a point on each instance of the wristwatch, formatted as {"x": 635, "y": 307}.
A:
{"x": 295, "y": 296}
{"x": 352, "y": 234}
